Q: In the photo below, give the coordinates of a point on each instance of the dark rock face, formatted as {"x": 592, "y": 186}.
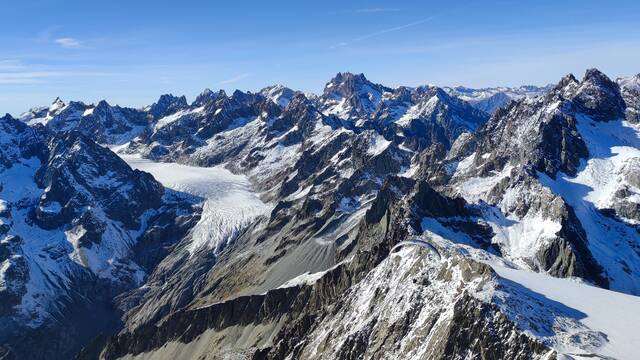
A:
{"x": 240, "y": 311}
{"x": 74, "y": 226}
{"x": 543, "y": 132}
{"x": 299, "y": 112}
{"x": 599, "y": 97}
{"x": 208, "y": 96}
{"x": 15, "y": 276}
{"x": 445, "y": 118}
{"x": 561, "y": 147}
{"x": 167, "y": 105}
{"x": 544, "y": 138}
{"x": 630, "y": 90}
{"x": 623, "y": 206}
{"x": 18, "y": 141}
{"x": 569, "y": 254}
{"x": 78, "y": 167}
{"x": 486, "y": 337}
{"x": 112, "y": 124}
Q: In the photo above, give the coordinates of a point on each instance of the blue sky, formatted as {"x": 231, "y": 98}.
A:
{"x": 130, "y": 52}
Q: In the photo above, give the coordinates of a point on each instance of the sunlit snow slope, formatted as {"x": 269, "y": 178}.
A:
{"x": 614, "y": 314}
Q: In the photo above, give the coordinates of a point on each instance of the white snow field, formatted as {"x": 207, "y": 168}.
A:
{"x": 229, "y": 202}
{"x": 615, "y": 314}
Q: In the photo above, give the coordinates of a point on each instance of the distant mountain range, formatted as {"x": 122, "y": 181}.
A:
{"x": 491, "y": 99}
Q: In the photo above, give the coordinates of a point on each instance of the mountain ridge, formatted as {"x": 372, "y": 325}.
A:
{"x": 363, "y": 187}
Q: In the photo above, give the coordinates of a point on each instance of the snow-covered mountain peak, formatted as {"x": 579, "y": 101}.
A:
{"x": 56, "y": 105}
{"x": 493, "y": 98}
{"x": 44, "y": 114}
{"x": 168, "y": 104}
{"x": 599, "y": 97}
{"x": 595, "y": 95}
{"x": 567, "y": 85}
{"x": 351, "y": 96}
{"x": 631, "y": 83}
{"x": 630, "y": 88}
{"x": 431, "y": 91}
{"x": 279, "y": 94}
{"x": 301, "y": 105}
{"x": 347, "y": 84}
{"x": 596, "y": 76}
{"x": 347, "y": 78}
{"x": 207, "y": 96}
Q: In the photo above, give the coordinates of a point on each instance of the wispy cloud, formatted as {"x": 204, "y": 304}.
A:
{"x": 373, "y": 10}
{"x": 384, "y": 31}
{"x": 40, "y": 76}
{"x": 30, "y": 77}
{"x": 69, "y": 43}
{"x": 234, "y": 79}
{"x": 10, "y": 64}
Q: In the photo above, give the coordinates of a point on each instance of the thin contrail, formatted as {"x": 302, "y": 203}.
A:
{"x": 385, "y": 31}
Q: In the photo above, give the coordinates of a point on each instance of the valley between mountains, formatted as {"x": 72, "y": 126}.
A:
{"x": 365, "y": 222}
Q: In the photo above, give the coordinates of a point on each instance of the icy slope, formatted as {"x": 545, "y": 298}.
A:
{"x": 614, "y": 314}
{"x": 230, "y": 203}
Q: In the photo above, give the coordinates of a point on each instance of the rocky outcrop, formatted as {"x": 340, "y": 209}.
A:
{"x": 15, "y": 274}
{"x": 78, "y": 168}
{"x": 19, "y": 141}
{"x": 599, "y": 97}
{"x": 630, "y": 90}
{"x": 166, "y": 105}
{"x": 541, "y": 136}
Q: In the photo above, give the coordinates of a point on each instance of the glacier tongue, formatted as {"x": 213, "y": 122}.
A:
{"x": 229, "y": 206}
